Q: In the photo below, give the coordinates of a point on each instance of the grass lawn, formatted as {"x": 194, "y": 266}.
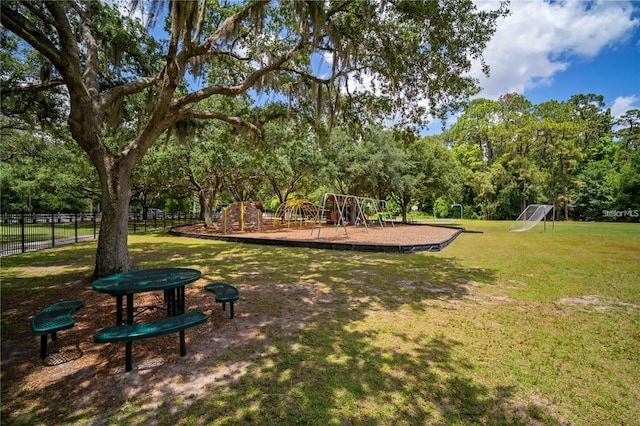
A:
{"x": 499, "y": 328}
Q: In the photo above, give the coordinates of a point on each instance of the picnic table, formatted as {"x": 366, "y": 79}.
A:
{"x": 169, "y": 280}
{"x": 172, "y": 282}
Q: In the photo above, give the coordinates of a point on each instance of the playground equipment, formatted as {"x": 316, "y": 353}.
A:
{"x": 240, "y": 216}
{"x": 343, "y": 209}
{"x": 531, "y": 216}
{"x": 298, "y": 212}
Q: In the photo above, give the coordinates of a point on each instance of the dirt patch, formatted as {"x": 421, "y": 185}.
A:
{"x": 599, "y": 303}
{"x": 79, "y": 370}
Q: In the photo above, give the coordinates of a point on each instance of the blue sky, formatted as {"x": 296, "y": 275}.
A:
{"x": 553, "y": 50}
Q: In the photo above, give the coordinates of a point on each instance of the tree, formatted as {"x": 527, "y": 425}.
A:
{"x": 290, "y": 159}
{"x": 41, "y": 174}
{"x": 559, "y": 131}
{"x": 630, "y": 129}
{"x": 107, "y": 63}
{"x": 208, "y": 159}
{"x": 158, "y": 173}
{"x": 474, "y": 135}
{"x": 477, "y": 126}
{"x": 596, "y": 119}
{"x": 596, "y": 190}
{"x": 414, "y": 169}
{"x": 364, "y": 161}
{"x": 630, "y": 185}
{"x": 515, "y": 145}
{"x": 438, "y": 171}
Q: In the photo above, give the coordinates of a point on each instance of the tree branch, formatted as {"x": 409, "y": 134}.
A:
{"x": 23, "y": 28}
{"x": 319, "y": 80}
{"x": 248, "y": 82}
{"x": 36, "y": 87}
{"x": 126, "y": 89}
{"x": 68, "y": 45}
{"x": 37, "y": 12}
{"x": 214, "y": 115}
{"x": 92, "y": 66}
{"x": 230, "y": 54}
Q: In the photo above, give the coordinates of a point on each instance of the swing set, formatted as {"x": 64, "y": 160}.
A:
{"x": 343, "y": 209}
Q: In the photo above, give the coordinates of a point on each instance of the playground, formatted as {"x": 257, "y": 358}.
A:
{"x": 342, "y": 222}
{"x": 401, "y": 238}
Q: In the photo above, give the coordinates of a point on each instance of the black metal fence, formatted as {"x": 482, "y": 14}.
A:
{"x": 22, "y": 232}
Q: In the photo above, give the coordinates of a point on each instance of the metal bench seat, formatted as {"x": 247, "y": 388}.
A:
{"x": 224, "y": 293}
{"x": 130, "y": 332}
{"x": 53, "y": 319}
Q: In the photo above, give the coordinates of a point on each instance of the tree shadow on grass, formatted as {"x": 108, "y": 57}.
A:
{"x": 318, "y": 338}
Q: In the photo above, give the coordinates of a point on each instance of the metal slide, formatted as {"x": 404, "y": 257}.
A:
{"x": 530, "y": 217}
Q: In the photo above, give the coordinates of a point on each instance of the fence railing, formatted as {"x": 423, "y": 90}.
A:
{"x": 22, "y": 232}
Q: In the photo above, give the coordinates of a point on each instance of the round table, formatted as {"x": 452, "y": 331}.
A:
{"x": 169, "y": 280}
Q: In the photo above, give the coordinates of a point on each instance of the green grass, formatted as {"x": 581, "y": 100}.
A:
{"x": 499, "y": 328}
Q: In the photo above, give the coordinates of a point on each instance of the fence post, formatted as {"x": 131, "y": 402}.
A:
{"x": 76, "y": 225}
{"x": 22, "y": 237}
{"x": 53, "y": 230}
{"x": 94, "y": 225}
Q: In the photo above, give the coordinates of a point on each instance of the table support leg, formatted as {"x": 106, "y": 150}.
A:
{"x": 129, "y": 308}
{"x": 180, "y": 299}
{"x": 183, "y": 344}
{"x": 167, "y": 302}
{"x": 170, "y": 299}
{"x": 128, "y": 356}
{"x": 119, "y": 310}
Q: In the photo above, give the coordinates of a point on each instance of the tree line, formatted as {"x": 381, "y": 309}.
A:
{"x": 572, "y": 154}
{"x": 499, "y": 157}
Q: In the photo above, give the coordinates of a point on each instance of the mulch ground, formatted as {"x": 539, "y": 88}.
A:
{"x": 387, "y": 235}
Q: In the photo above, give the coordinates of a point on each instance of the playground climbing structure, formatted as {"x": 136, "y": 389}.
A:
{"x": 298, "y": 213}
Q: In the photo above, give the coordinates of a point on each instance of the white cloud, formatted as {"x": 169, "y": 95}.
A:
{"x": 623, "y": 104}
{"x": 539, "y": 39}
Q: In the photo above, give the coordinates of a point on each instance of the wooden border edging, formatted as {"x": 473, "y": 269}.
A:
{"x": 325, "y": 245}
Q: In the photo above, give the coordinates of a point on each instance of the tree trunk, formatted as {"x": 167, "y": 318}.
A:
{"x": 487, "y": 216}
{"x": 404, "y": 204}
{"x": 564, "y": 190}
{"x": 206, "y": 207}
{"x": 112, "y": 255}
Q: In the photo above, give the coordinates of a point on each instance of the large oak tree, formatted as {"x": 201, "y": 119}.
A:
{"x": 124, "y": 90}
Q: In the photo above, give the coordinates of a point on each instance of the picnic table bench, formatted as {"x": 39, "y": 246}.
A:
{"x": 224, "y": 293}
{"x": 172, "y": 282}
{"x": 142, "y": 330}
{"x": 53, "y": 319}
